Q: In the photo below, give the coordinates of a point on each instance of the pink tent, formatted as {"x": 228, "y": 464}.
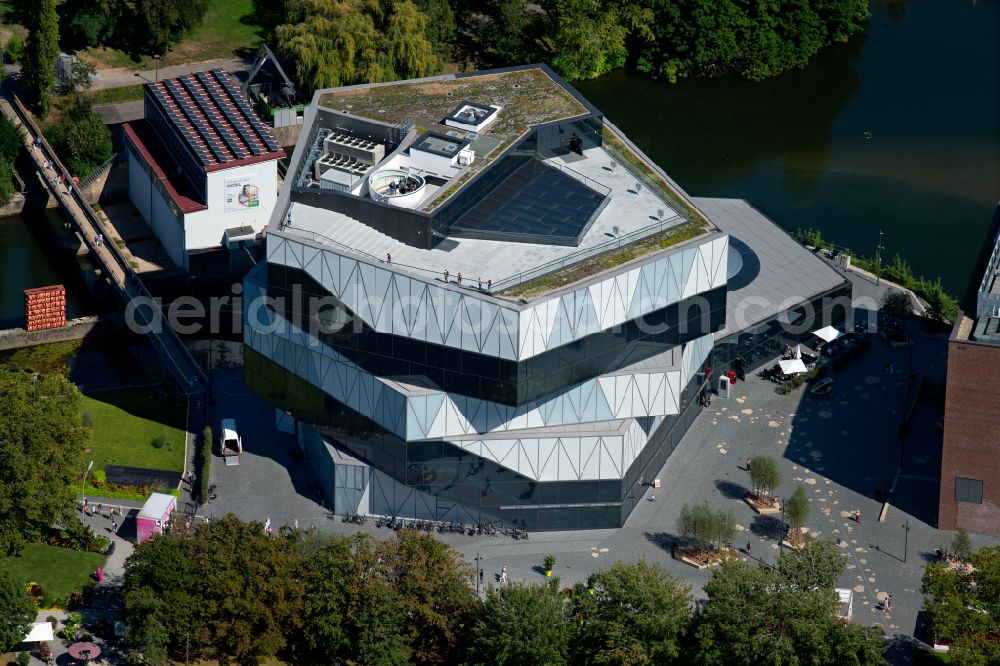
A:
{"x": 154, "y": 515}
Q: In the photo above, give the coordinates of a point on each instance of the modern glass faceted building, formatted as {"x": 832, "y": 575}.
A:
{"x": 482, "y": 303}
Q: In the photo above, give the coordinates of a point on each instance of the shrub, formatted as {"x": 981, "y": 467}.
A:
{"x": 44, "y": 651}
{"x": 159, "y": 441}
{"x": 206, "y": 463}
{"x": 23, "y": 659}
{"x": 550, "y": 562}
{"x": 15, "y": 49}
{"x": 87, "y": 420}
{"x": 897, "y": 303}
{"x": 53, "y": 620}
{"x": 809, "y": 237}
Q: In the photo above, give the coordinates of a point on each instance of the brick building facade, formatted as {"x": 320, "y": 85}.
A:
{"x": 970, "y": 465}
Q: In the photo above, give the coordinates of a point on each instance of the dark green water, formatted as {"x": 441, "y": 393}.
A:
{"x": 31, "y": 256}
{"x": 924, "y": 80}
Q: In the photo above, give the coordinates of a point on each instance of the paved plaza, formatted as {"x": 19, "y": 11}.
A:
{"x": 843, "y": 449}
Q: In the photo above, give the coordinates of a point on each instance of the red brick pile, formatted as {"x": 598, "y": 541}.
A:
{"x": 45, "y": 307}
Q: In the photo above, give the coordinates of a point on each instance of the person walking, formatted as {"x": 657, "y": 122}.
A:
{"x": 748, "y": 547}
{"x": 857, "y": 517}
{"x": 503, "y": 575}
{"x": 888, "y": 602}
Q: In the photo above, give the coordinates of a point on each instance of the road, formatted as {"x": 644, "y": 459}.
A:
{"x": 115, "y": 78}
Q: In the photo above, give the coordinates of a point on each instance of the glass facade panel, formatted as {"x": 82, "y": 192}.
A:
{"x": 488, "y": 377}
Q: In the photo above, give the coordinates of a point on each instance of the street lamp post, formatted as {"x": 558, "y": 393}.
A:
{"x": 156, "y": 68}
{"x": 83, "y": 488}
{"x": 906, "y": 538}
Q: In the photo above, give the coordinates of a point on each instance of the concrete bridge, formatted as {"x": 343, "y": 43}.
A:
{"x": 113, "y": 264}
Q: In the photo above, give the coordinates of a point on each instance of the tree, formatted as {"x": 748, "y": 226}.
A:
{"x": 764, "y": 476}
{"x": 432, "y": 582}
{"x": 896, "y": 303}
{"x": 40, "y": 52}
{"x": 17, "y": 611}
{"x": 441, "y": 27}
{"x": 797, "y": 508}
{"x": 330, "y": 566}
{"x": 961, "y": 545}
{"x": 705, "y": 527}
{"x": 754, "y": 615}
{"x": 632, "y": 613}
{"x": 92, "y": 22}
{"x": 588, "y": 38}
{"x": 818, "y": 564}
{"x": 964, "y": 606}
{"x": 41, "y": 445}
{"x": 81, "y": 76}
{"x": 341, "y": 42}
{"x": 521, "y": 624}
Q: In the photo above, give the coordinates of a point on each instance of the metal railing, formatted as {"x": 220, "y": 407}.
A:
{"x": 98, "y": 172}
{"x": 586, "y": 253}
{"x": 171, "y": 337}
{"x": 576, "y": 175}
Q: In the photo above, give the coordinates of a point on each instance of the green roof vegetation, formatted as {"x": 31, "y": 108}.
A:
{"x": 584, "y": 269}
{"x": 526, "y": 98}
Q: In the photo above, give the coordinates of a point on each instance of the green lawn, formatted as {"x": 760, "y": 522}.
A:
{"x": 59, "y": 571}
{"x": 221, "y": 35}
{"x": 116, "y": 95}
{"x": 126, "y": 421}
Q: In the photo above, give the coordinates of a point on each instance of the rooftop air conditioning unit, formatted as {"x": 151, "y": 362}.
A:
{"x": 466, "y": 157}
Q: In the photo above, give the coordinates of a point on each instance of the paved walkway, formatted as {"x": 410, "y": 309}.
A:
{"x": 114, "y": 78}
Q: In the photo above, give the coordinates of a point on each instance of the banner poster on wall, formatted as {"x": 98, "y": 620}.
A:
{"x": 242, "y": 192}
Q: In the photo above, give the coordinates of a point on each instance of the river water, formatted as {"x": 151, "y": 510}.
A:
{"x": 923, "y": 81}
{"x": 31, "y": 255}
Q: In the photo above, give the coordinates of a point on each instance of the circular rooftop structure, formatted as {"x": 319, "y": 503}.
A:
{"x": 396, "y": 188}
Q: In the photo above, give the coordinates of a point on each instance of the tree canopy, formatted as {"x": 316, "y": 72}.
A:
{"x": 521, "y": 625}
{"x": 42, "y": 439}
{"x": 340, "y": 42}
{"x": 964, "y": 605}
{"x": 17, "y": 611}
{"x": 755, "y": 615}
{"x": 632, "y": 613}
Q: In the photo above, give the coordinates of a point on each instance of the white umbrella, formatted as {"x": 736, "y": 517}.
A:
{"x": 798, "y": 351}
{"x": 827, "y": 334}
{"x": 792, "y": 366}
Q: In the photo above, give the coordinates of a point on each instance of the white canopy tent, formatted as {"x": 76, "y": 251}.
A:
{"x": 792, "y": 366}
{"x": 827, "y": 334}
{"x": 40, "y": 631}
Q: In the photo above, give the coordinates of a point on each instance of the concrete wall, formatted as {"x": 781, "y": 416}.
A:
{"x": 159, "y": 215}
{"x": 75, "y": 329}
{"x": 971, "y": 437}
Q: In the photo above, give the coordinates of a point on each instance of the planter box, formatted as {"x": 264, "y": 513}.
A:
{"x": 702, "y": 563}
{"x": 762, "y": 507}
{"x": 804, "y": 539}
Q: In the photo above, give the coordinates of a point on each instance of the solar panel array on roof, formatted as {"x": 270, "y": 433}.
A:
{"x": 213, "y": 119}
{"x": 245, "y": 109}
{"x": 195, "y": 121}
{"x": 231, "y": 116}
{"x": 203, "y": 104}
{"x": 185, "y": 132}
